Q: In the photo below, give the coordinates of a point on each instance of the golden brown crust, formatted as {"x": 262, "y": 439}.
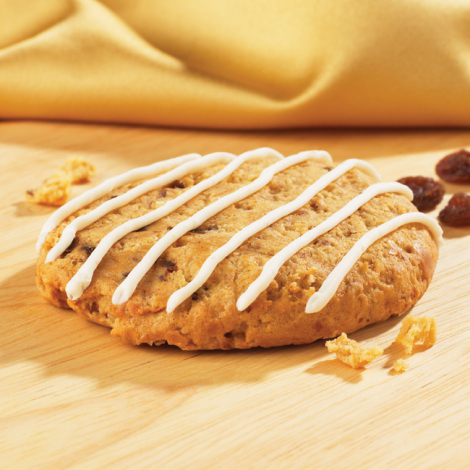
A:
{"x": 348, "y": 351}
{"x": 54, "y": 191}
{"x": 79, "y": 170}
{"x": 417, "y": 330}
{"x": 387, "y": 280}
{"x": 400, "y": 366}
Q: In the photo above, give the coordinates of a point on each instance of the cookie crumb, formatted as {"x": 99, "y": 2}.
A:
{"x": 294, "y": 288}
{"x": 400, "y": 365}
{"x": 348, "y": 351}
{"x": 79, "y": 170}
{"x": 416, "y": 330}
{"x": 54, "y": 191}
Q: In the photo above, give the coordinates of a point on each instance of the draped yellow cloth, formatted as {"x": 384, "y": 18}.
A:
{"x": 237, "y": 63}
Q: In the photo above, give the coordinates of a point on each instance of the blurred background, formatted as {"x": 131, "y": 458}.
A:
{"x": 237, "y": 64}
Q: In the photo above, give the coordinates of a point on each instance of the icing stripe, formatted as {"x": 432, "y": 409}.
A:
{"x": 87, "y": 219}
{"x": 128, "y": 286}
{"x": 329, "y": 287}
{"x": 217, "y": 256}
{"x": 105, "y": 187}
{"x": 81, "y": 280}
{"x": 178, "y": 167}
{"x": 272, "y": 267}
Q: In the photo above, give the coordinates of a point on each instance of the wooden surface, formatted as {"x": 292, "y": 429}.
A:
{"x": 74, "y": 397}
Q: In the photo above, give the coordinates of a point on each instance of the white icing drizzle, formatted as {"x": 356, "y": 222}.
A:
{"x": 81, "y": 280}
{"x": 176, "y": 168}
{"x": 217, "y": 256}
{"x": 330, "y": 285}
{"x": 128, "y": 286}
{"x": 87, "y": 219}
{"x": 105, "y": 187}
{"x": 272, "y": 267}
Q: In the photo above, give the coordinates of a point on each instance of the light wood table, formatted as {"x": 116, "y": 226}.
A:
{"x": 74, "y": 397}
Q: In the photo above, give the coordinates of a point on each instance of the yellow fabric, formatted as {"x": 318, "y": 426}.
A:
{"x": 237, "y": 63}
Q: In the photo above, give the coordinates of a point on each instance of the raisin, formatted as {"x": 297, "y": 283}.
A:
{"x": 457, "y": 211}
{"x": 70, "y": 248}
{"x": 142, "y": 229}
{"x": 204, "y": 230}
{"x": 455, "y": 168}
{"x": 427, "y": 192}
{"x": 318, "y": 241}
{"x": 177, "y": 184}
{"x": 88, "y": 249}
{"x": 169, "y": 265}
{"x": 195, "y": 296}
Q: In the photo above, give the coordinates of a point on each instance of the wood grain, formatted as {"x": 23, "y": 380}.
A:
{"x": 74, "y": 397}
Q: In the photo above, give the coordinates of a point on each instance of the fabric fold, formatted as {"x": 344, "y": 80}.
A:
{"x": 244, "y": 64}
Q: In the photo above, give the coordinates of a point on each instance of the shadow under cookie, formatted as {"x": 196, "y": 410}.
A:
{"x": 62, "y": 343}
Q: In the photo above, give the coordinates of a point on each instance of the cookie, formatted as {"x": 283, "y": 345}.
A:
{"x": 225, "y": 251}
